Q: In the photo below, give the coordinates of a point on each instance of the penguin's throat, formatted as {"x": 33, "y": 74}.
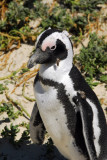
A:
{"x": 55, "y": 72}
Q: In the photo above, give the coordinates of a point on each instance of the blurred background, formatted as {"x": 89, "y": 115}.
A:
{"x": 21, "y": 21}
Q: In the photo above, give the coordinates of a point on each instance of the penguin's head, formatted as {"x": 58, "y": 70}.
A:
{"x": 52, "y": 46}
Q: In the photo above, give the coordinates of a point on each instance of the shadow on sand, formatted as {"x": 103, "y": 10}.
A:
{"x": 28, "y": 151}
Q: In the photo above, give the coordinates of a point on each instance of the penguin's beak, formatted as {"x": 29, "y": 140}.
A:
{"x": 38, "y": 57}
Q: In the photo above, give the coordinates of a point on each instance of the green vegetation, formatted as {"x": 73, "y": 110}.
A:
{"x": 24, "y": 70}
{"x": 93, "y": 58}
{"x": 16, "y": 15}
{"x": 2, "y": 88}
{"x": 87, "y": 6}
{"x": 14, "y": 24}
{"x": 11, "y": 133}
{"x": 9, "y": 109}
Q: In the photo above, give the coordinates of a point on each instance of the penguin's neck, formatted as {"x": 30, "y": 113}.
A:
{"x": 57, "y": 72}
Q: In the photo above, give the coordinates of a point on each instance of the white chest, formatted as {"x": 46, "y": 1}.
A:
{"x": 53, "y": 115}
{"x": 51, "y": 109}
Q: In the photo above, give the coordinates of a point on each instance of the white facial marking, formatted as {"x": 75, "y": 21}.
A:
{"x": 51, "y": 40}
{"x": 48, "y": 42}
{"x": 40, "y": 36}
{"x": 65, "y": 65}
{"x": 96, "y": 127}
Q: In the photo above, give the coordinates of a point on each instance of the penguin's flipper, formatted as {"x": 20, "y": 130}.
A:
{"x": 87, "y": 126}
{"x": 37, "y": 129}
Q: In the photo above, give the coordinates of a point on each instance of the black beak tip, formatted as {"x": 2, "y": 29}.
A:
{"x": 29, "y": 65}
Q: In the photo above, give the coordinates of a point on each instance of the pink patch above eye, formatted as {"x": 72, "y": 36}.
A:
{"x": 48, "y": 43}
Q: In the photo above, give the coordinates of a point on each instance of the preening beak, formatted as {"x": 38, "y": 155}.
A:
{"x": 39, "y": 57}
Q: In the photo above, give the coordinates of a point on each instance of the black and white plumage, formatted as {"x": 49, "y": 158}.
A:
{"x": 66, "y": 105}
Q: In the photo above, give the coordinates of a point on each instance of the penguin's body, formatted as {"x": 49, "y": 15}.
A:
{"x": 66, "y": 105}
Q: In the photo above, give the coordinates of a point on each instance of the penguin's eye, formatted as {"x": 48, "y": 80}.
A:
{"x": 53, "y": 47}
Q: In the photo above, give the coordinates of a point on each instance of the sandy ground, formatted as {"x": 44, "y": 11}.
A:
{"x": 28, "y": 150}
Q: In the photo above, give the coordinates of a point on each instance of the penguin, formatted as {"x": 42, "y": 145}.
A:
{"x": 66, "y": 107}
